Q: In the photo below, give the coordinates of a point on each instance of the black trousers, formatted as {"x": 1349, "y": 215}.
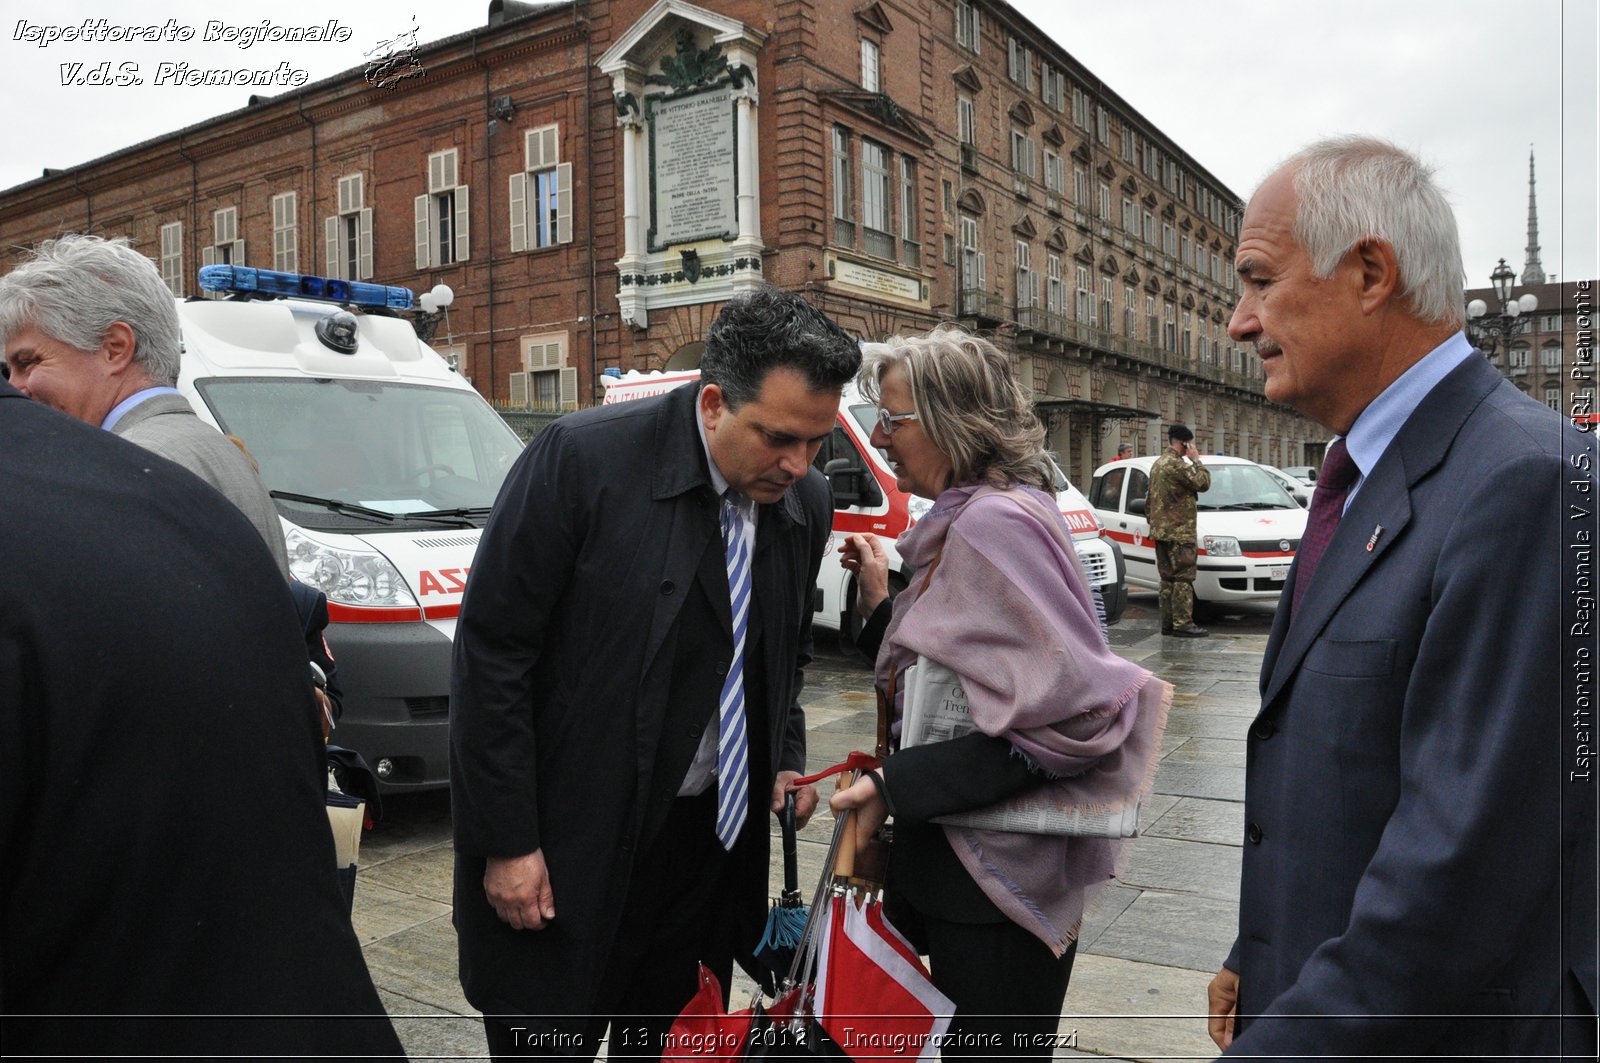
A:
{"x": 1006, "y": 984}
{"x": 674, "y": 920}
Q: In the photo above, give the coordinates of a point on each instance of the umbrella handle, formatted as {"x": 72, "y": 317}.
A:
{"x": 844, "y": 857}
{"x": 791, "y": 859}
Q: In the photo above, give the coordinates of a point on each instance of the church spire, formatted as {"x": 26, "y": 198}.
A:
{"x": 1532, "y": 272}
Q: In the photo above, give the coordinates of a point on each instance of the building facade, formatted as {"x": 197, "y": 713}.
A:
{"x": 1551, "y": 357}
{"x": 594, "y": 179}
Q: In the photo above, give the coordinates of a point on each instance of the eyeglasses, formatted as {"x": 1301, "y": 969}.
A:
{"x": 888, "y": 421}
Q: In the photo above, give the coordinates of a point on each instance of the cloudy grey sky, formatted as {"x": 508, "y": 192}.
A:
{"x": 1468, "y": 84}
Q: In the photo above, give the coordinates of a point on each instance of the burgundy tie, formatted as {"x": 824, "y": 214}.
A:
{"x": 1327, "y": 506}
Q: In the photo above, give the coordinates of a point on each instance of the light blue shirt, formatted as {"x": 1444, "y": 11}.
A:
{"x": 1381, "y": 421}
{"x": 131, "y": 401}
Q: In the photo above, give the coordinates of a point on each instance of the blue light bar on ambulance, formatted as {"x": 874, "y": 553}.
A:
{"x": 247, "y": 279}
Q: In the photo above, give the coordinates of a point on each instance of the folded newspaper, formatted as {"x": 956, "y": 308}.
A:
{"x": 936, "y": 711}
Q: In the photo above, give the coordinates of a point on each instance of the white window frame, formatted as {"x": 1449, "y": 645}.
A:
{"x": 969, "y": 27}
{"x": 541, "y": 194}
{"x": 876, "y": 210}
{"x": 972, "y": 264}
{"x": 1027, "y": 283}
{"x": 908, "y": 200}
{"x": 172, "y": 257}
{"x": 443, "y": 236}
{"x": 347, "y": 235}
{"x": 966, "y": 121}
{"x": 1084, "y": 305}
{"x": 1021, "y": 154}
{"x": 843, "y": 199}
{"x": 544, "y": 363}
{"x": 1055, "y": 290}
{"x": 225, "y": 249}
{"x": 286, "y": 232}
{"x": 871, "y": 66}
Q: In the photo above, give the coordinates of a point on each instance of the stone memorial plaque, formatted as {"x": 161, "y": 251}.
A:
{"x": 693, "y": 178}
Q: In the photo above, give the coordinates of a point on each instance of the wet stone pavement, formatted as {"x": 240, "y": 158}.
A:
{"x": 1145, "y": 955}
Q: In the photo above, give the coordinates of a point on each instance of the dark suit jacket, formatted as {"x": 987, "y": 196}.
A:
{"x": 1406, "y": 851}
{"x": 167, "y": 882}
{"x": 589, "y": 658}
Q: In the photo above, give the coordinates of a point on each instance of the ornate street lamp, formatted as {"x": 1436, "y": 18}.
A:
{"x": 1486, "y": 330}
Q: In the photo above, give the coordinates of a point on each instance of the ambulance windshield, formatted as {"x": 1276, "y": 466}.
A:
{"x": 389, "y": 447}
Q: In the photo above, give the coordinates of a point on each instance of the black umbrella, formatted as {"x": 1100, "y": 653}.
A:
{"x": 786, "y": 923}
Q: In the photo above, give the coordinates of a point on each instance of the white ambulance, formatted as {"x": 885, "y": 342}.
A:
{"x": 383, "y": 463}
{"x": 866, "y": 499}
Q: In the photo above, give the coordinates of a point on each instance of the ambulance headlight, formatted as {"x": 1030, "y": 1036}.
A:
{"x": 1220, "y": 545}
{"x": 362, "y": 578}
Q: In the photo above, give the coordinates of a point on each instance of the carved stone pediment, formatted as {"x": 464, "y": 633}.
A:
{"x": 873, "y": 16}
{"x": 1021, "y": 113}
{"x": 968, "y": 79}
{"x": 971, "y": 202}
{"x": 881, "y": 110}
{"x": 1023, "y": 227}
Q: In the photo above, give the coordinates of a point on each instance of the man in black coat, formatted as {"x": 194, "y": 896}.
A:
{"x": 166, "y": 867}
{"x": 595, "y": 657}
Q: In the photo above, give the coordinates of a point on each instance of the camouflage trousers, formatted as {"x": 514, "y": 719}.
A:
{"x": 1175, "y": 562}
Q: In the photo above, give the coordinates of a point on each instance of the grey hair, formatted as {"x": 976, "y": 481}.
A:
{"x": 1351, "y": 188}
{"x": 74, "y": 287}
{"x": 969, "y": 401}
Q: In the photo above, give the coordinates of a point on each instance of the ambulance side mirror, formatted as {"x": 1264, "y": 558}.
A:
{"x": 852, "y": 485}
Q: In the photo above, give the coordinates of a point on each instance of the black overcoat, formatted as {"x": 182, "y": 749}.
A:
{"x": 590, "y": 652}
{"x": 167, "y": 881}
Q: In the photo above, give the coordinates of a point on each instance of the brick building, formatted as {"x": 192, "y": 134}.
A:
{"x": 1552, "y": 356}
{"x": 593, "y": 179}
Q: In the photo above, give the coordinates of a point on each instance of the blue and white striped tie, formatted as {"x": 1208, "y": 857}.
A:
{"x": 733, "y": 744}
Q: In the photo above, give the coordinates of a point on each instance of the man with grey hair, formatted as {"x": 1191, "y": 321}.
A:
{"x": 90, "y": 328}
{"x": 1418, "y": 862}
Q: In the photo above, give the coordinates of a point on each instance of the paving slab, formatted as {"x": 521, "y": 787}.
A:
{"x": 428, "y": 873}
{"x": 1138, "y": 1011}
{"x": 1174, "y": 930}
{"x": 428, "y": 1033}
{"x": 420, "y": 965}
{"x": 1221, "y": 782}
{"x": 1207, "y": 724}
{"x": 1184, "y": 867}
{"x": 1221, "y": 751}
{"x": 1199, "y": 820}
{"x": 1113, "y": 902}
{"x": 380, "y": 911}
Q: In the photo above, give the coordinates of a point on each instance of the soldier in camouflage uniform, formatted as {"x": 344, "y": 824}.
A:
{"x": 1175, "y": 479}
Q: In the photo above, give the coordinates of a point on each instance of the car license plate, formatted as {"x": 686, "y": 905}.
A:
{"x": 1277, "y": 575}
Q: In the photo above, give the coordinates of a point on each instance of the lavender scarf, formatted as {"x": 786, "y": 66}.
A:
{"x": 1009, "y": 610}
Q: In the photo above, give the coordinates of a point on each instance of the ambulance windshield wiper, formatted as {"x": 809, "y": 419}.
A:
{"x": 449, "y": 517}
{"x": 351, "y": 508}
{"x": 466, "y": 513}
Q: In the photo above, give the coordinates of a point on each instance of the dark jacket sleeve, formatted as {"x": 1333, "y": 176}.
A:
{"x": 522, "y": 568}
{"x": 955, "y": 776}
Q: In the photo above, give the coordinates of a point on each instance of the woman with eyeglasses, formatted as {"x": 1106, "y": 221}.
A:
{"x": 998, "y": 598}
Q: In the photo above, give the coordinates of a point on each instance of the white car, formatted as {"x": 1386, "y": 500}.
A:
{"x": 1292, "y": 484}
{"x": 1248, "y": 527}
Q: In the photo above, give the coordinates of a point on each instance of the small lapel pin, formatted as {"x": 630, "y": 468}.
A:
{"x": 1377, "y": 531}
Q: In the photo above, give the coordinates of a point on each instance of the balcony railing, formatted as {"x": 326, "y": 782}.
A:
{"x": 983, "y": 305}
